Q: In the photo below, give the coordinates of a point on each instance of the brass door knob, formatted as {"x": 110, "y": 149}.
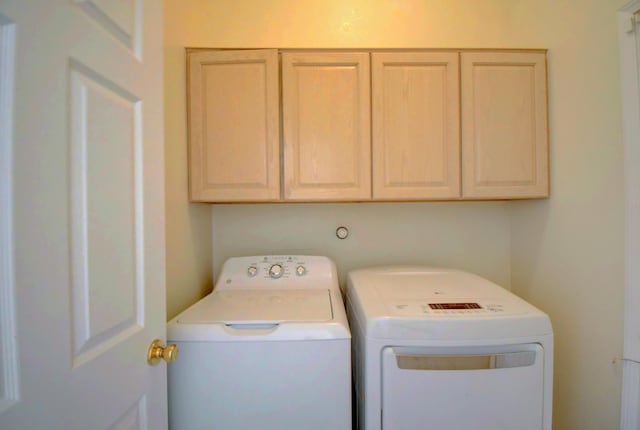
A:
{"x": 158, "y": 352}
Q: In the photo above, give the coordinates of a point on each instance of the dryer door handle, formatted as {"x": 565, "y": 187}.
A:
{"x": 465, "y": 361}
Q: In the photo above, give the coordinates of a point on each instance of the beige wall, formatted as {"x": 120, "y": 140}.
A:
{"x": 473, "y": 236}
{"x": 188, "y": 228}
{"x": 567, "y": 253}
{"x": 563, "y": 254}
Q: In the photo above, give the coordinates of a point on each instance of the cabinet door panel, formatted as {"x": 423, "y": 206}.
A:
{"x": 234, "y": 125}
{"x": 504, "y": 132}
{"x": 416, "y": 125}
{"x": 326, "y": 120}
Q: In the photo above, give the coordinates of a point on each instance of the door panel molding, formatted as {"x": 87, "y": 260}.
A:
{"x": 124, "y": 23}
{"x": 105, "y": 135}
{"x": 135, "y": 418}
{"x": 9, "y": 378}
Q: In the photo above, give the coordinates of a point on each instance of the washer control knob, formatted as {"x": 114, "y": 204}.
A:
{"x": 252, "y": 271}
{"x": 301, "y": 270}
{"x": 276, "y": 271}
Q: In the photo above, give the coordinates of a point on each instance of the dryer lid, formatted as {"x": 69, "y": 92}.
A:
{"x": 421, "y": 303}
{"x": 237, "y": 307}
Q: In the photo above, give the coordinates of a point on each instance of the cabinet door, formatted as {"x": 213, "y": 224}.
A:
{"x": 234, "y": 133}
{"x": 326, "y": 126}
{"x": 504, "y": 125}
{"x": 416, "y": 125}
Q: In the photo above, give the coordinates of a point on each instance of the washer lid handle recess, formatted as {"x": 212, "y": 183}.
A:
{"x": 253, "y": 328}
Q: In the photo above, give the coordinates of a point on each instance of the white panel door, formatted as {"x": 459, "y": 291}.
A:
{"x": 82, "y": 214}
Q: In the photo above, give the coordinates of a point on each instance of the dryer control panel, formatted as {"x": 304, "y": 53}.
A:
{"x": 455, "y": 309}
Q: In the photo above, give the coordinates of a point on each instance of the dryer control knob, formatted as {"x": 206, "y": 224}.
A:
{"x": 252, "y": 271}
{"x": 301, "y": 270}
{"x": 276, "y": 271}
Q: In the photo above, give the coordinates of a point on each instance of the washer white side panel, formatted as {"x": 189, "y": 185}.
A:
{"x": 480, "y": 388}
{"x": 261, "y": 385}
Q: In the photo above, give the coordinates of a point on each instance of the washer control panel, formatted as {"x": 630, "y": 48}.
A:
{"x": 276, "y": 267}
{"x": 295, "y": 271}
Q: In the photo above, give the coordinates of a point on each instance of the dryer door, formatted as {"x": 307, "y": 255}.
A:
{"x": 463, "y": 388}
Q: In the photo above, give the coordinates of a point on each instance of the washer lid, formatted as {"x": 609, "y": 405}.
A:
{"x": 236, "y": 307}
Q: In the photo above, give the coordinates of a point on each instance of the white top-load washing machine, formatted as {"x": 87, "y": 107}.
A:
{"x": 444, "y": 349}
{"x": 268, "y": 349}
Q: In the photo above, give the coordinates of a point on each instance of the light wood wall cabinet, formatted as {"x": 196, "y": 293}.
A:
{"x": 234, "y": 125}
{"x": 504, "y": 125}
{"x": 358, "y": 126}
{"x": 416, "y": 125}
{"x": 326, "y": 126}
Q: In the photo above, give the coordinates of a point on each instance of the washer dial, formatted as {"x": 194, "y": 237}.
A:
{"x": 276, "y": 271}
{"x": 301, "y": 270}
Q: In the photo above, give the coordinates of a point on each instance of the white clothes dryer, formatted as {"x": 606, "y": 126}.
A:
{"x": 444, "y": 349}
{"x": 269, "y": 348}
